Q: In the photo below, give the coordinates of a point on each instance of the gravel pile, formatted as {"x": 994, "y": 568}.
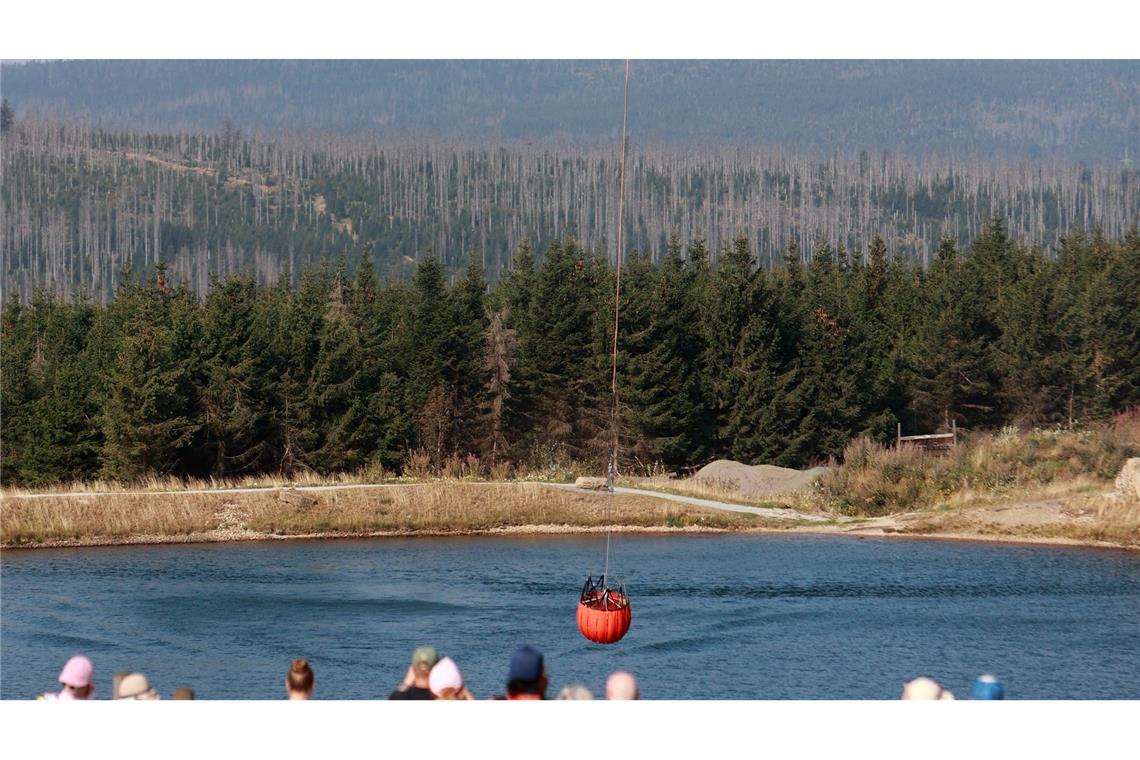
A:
{"x": 759, "y": 480}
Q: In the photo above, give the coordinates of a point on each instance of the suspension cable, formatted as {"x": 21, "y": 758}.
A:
{"x": 611, "y": 473}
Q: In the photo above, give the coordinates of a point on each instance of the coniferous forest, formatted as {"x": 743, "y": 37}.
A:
{"x": 719, "y": 356}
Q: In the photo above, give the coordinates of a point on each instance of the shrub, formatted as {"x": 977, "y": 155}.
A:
{"x": 418, "y": 464}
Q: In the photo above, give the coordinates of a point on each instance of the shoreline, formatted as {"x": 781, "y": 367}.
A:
{"x": 80, "y": 519}
{"x": 222, "y": 537}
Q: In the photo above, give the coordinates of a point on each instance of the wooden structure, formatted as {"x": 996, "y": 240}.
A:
{"x": 937, "y": 442}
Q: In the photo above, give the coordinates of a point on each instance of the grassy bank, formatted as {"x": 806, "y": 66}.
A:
{"x": 876, "y": 480}
{"x": 436, "y": 507}
{"x": 1040, "y": 485}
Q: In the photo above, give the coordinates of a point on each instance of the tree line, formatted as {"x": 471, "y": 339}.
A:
{"x": 726, "y": 359}
{"x": 81, "y": 204}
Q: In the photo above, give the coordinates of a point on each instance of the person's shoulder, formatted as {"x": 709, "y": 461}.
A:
{"x": 412, "y": 692}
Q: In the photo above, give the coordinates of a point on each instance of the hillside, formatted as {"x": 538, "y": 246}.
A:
{"x": 1073, "y": 110}
{"x": 82, "y": 204}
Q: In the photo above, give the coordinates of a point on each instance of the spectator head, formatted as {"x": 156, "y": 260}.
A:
{"x": 445, "y": 681}
{"x": 183, "y": 692}
{"x": 299, "y": 683}
{"x": 621, "y": 685}
{"x": 527, "y": 674}
{"x": 924, "y": 688}
{"x": 575, "y": 691}
{"x": 987, "y": 687}
{"x": 135, "y": 686}
{"x": 423, "y": 660}
{"x": 76, "y": 678}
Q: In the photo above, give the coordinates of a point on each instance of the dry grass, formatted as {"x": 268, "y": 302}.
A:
{"x": 24, "y": 520}
{"x": 875, "y": 480}
{"x": 430, "y": 507}
{"x": 467, "y": 507}
{"x": 718, "y": 491}
{"x": 156, "y": 483}
{"x": 454, "y": 470}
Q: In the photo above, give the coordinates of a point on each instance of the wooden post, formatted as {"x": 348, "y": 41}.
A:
{"x": 954, "y": 430}
{"x": 898, "y": 436}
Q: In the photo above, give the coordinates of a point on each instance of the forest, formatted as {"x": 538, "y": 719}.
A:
{"x": 83, "y": 204}
{"x": 718, "y": 356}
{"x": 1067, "y": 109}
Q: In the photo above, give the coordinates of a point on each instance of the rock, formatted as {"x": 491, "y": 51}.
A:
{"x": 1128, "y": 481}
{"x": 296, "y": 498}
{"x": 592, "y": 484}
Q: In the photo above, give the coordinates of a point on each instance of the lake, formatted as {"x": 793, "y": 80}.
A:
{"x": 738, "y": 616}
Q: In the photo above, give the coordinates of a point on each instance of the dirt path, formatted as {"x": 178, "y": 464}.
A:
{"x": 724, "y": 506}
{"x": 256, "y": 489}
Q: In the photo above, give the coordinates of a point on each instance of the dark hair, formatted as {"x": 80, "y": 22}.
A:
{"x": 300, "y": 676}
{"x": 519, "y": 686}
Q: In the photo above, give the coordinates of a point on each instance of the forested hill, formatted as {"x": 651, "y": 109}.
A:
{"x": 1074, "y": 110}
{"x": 82, "y": 204}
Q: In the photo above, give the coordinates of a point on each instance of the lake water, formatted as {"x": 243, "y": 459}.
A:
{"x": 719, "y": 616}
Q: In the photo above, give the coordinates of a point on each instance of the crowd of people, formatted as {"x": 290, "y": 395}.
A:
{"x": 430, "y": 676}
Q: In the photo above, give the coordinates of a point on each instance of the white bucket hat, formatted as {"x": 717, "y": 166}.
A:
{"x": 135, "y": 686}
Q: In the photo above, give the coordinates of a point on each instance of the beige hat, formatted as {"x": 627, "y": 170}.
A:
{"x": 135, "y": 686}
{"x": 575, "y": 691}
{"x": 924, "y": 688}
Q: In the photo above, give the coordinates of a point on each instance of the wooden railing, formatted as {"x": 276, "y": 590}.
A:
{"x": 931, "y": 441}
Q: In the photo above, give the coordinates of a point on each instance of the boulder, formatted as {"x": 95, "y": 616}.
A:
{"x": 296, "y": 498}
{"x": 591, "y": 484}
{"x": 1128, "y": 481}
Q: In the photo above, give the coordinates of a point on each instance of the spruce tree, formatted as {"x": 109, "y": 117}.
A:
{"x": 381, "y": 426}
{"x": 60, "y": 443}
{"x": 1035, "y": 380}
{"x": 882, "y": 311}
{"x": 298, "y": 317}
{"x": 728, "y": 306}
{"x": 557, "y": 353}
{"x": 764, "y": 410}
{"x": 953, "y": 379}
{"x": 832, "y": 377}
{"x": 16, "y": 389}
{"x": 149, "y": 413}
{"x": 339, "y": 406}
{"x": 236, "y": 401}
{"x": 430, "y": 394}
{"x": 466, "y": 369}
{"x": 1110, "y": 316}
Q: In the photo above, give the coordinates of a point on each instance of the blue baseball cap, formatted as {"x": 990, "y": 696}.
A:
{"x": 987, "y": 687}
{"x": 526, "y": 664}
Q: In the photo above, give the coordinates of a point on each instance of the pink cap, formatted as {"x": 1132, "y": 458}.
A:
{"x": 445, "y": 675}
{"x": 77, "y": 672}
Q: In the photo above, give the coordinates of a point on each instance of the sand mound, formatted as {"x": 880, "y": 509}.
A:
{"x": 759, "y": 480}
